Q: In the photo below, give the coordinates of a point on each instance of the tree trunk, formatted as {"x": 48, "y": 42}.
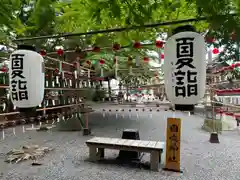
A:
{"x": 109, "y": 90}
{"x": 127, "y": 87}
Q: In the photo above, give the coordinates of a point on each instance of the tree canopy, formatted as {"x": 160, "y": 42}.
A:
{"x": 24, "y": 18}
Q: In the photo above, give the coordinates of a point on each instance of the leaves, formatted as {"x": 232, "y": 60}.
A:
{"x": 43, "y": 17}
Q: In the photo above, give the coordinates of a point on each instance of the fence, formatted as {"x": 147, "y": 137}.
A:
{"x": 66, "y": 87}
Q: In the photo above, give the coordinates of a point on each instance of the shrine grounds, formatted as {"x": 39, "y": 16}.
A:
{"x": 200, "y": 160}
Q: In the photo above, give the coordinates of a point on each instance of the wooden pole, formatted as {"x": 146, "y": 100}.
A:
{"x": 212, "y": 103}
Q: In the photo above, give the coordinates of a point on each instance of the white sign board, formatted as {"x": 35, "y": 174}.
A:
{"x": 26, "y": 75}
{"x": 185, "y": 68}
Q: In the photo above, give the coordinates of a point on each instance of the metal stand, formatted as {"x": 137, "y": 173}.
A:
{"x": 130, "y": 155}
{"x": 86, "y": 131}
{"x": 214, "y": 137}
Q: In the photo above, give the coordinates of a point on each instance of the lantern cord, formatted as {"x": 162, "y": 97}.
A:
{"x": 153, "y": 25}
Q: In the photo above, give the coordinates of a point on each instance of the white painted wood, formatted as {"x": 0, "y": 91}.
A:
{"x": 115, "y": 140}
{"x": 152, "y": 144}
{"x": 92, "y": 153}
{"x": 136, "y": 143}
{"x": 121, "y": 142}
{"x": 143, "y": 143}
{"x": 160, "y": 145}
{"x": 129, "y": 142}
{"x": 154, "y": 160}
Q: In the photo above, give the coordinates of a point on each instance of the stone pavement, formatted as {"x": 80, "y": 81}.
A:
{"x": 200, "y": 160}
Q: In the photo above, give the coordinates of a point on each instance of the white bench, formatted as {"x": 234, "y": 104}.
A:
{"x": 98, "y": 144}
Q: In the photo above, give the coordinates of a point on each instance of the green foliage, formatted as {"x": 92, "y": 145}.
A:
{"x": 21, "y": 18}
{"x": 99, "y": 95}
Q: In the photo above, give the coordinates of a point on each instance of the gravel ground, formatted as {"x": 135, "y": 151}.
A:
{"x": 199, "y": 158}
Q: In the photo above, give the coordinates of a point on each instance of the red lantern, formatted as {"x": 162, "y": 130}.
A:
{"x": 162, "y": 56}
{"x": 60, "y": 52}
{"x": 237, "y": 64}
{"x": 209, "y": 39}
{"x": 137, "y": 45}
{"x": 116, "y": 47}
{"x": 159, "y": 44}
{"x": 62, "y": 65}
{"x": 233, "y": 65}
{"x": 101, "y": 61}
{"x": 88, "y": 62}
{"x": 96, "y": 49}
{"x": 215, "y": 51}
{"x": 4, "y": 69}
{"x": 142, "y": 94}
{"x": 56, "y": 71}
{"x": 43, "y": 52}
{"x": 146, "y": 59}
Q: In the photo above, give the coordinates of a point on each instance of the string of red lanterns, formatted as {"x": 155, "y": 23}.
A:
{"x": 115, "y": 47}
{"x": 136, "y": 44}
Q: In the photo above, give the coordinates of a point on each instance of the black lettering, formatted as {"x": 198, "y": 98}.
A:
{"x": 17, "y": 73}
{"x": 17, "y": 61}
{"x": 180, "y": 91}
{"x": 184, "y": 47}
{"x": 174, "y": 141}
{"x": 192, "y": 90}
{"x": 172, "y": 158}
{"x": 184, "y": 62}
{"x": 23, "y": 95}
{"x": 180, "y": 77}
{"x": 14, "y": 85}
{"x": 14, "y": 96}
{"x": 174, "y": 147}
{"x": 22, "y": 85}
{"x": 174, "y": 128}
{"x": 14, "y": 90}
{"x": 191, "y": 77}
{"x": 19, "y": 90}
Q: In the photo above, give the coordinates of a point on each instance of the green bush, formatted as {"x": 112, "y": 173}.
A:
{"x": 210, "y": 125}
{"x": 99, "y": 95}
